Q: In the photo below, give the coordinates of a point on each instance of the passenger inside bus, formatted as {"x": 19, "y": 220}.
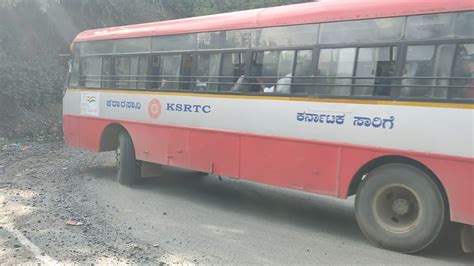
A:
{"x": 426, "y": 71}
{"x": 464, "y": 72}
{"x": 283, "y": 85}
{"x": 467, "y": 65}
{"x": 187, "y": 72}
{"x": 232, "y": 72}
{"x": 469, "y": 91}
{"x": 220, "y": 71}
{"x": 273, "y": 71}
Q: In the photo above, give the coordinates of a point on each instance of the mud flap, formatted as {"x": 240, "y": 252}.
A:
{"x": 467, "y": 238}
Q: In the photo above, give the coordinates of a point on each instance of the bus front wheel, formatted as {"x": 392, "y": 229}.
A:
{"x": 399, "y": 207}
{"x": 127, "y": 164}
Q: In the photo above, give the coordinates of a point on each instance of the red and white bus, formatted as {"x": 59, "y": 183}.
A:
{"x": 338, "y": 98}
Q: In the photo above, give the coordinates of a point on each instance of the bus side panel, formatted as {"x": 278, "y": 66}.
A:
{"x": 91, "y": 130}
{"x": 139, "y": 134}
{"x": 71, "y": 131}
{"x": 457, "y": 178}
{"x": 200, "y": 150}
{"x": 290, "y": 164}
{"x": 313, "y": 167}
{"x": 214, "y": 152}
{"x": 178, "y": 147}
{"x": 352, "y": 160}
{"x": 151, "y": 143}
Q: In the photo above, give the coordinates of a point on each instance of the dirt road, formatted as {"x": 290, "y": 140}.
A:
{"x": 181, "y": 217}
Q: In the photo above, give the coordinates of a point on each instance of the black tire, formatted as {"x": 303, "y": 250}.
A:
{"x": 400, "y": 208}
{"x": 128, "y": 167}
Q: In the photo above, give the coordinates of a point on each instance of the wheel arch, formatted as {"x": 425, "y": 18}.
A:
{"x": 109, "y": 140}
{"x": 389, "y": 159}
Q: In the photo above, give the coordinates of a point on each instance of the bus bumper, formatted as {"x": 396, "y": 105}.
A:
{"x": 467, "y": 238}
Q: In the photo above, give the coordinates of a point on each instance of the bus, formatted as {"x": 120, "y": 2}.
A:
{"x": 338, "y": 98}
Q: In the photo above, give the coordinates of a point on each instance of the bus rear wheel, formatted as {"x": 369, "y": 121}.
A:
{"x": 128, "y": 167}
{"x": 399, "y": 207}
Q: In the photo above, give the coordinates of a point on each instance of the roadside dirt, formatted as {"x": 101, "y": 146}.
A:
{"x": 179, "y": 218}
{"x": 42, "y": 187}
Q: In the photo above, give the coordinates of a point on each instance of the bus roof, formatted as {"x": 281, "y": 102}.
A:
{"x": 306, "y": 13}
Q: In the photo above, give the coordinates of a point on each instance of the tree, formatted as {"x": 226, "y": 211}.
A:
{"x": 34, "y": 32}
{"x": 190, "y": 8}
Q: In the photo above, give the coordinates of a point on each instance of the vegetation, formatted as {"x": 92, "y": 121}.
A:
{"x": 34, "y": 33}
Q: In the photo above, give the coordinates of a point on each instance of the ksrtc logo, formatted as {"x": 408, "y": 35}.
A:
{"x": 154, "y": 108}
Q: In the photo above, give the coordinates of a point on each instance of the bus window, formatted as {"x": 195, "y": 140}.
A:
{"x": 186, "y": 72}
{"x": 142, "y": 72}
{"x": 165, "y": 70}
{"x": 133, "y": 45}
{"x": 202, "y": 72}
{"x": 464, "y": 26}
{"x": 91, "y": 71}
{"x": 133, "y": 72}
{"x": 83, "y": 71}
{"x": 75, "y": 67}
{"x": 285, "y": 71}
{"x": 303, "y": 70}
{"x": 232, "y": 69}
{"x": 273, "y": 71}
{"x": 464, "y": 71}
{"x": 170, "y": 72}
{"x": 264, "y": 68}
{"x": 207, "y": 69}
{"x": 378, "y": 65}
{"x": 98, "y": 47}
{"x": 370, "y": 30}
{"x": 182, "y": 42}
{"x": 122, "y": 72}
{"x": 224, "y": 39}
{"x": 429, "y": 26}
{"x": 301, "y": 35}
{"x": 107, "y": 72}
{"x": 336, "y": 67}
{"x": 154, "y": 72}
{"x": 423, "y": 64}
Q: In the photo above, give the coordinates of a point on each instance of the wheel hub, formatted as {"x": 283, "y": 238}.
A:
{"x": 397, "y": 208}
{"x": 401, "y": 206}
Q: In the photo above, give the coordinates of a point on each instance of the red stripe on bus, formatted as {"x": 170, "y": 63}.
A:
{"x": 315, "y": 12}
{"x": 309, "y": 165}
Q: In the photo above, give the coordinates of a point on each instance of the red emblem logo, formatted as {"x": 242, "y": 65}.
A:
{"x": 154, "y": 108}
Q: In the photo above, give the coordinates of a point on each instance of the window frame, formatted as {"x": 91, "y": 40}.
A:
{"x": 244, "y": 53}
{"x": 402, "y": 49}
{"x": 248, "y": 52}
{"x": 83, "y": 78}
{"x": 295, "y": 49}
{"x": 453, "y": 68}
{"x": 161, "y": 65}
{"x": 403, "y": 53}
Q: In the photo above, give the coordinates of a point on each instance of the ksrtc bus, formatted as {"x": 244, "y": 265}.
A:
{"x": 338, "y": 98}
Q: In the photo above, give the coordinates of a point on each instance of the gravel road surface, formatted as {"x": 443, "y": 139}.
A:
{"x": 179, "y": 218}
